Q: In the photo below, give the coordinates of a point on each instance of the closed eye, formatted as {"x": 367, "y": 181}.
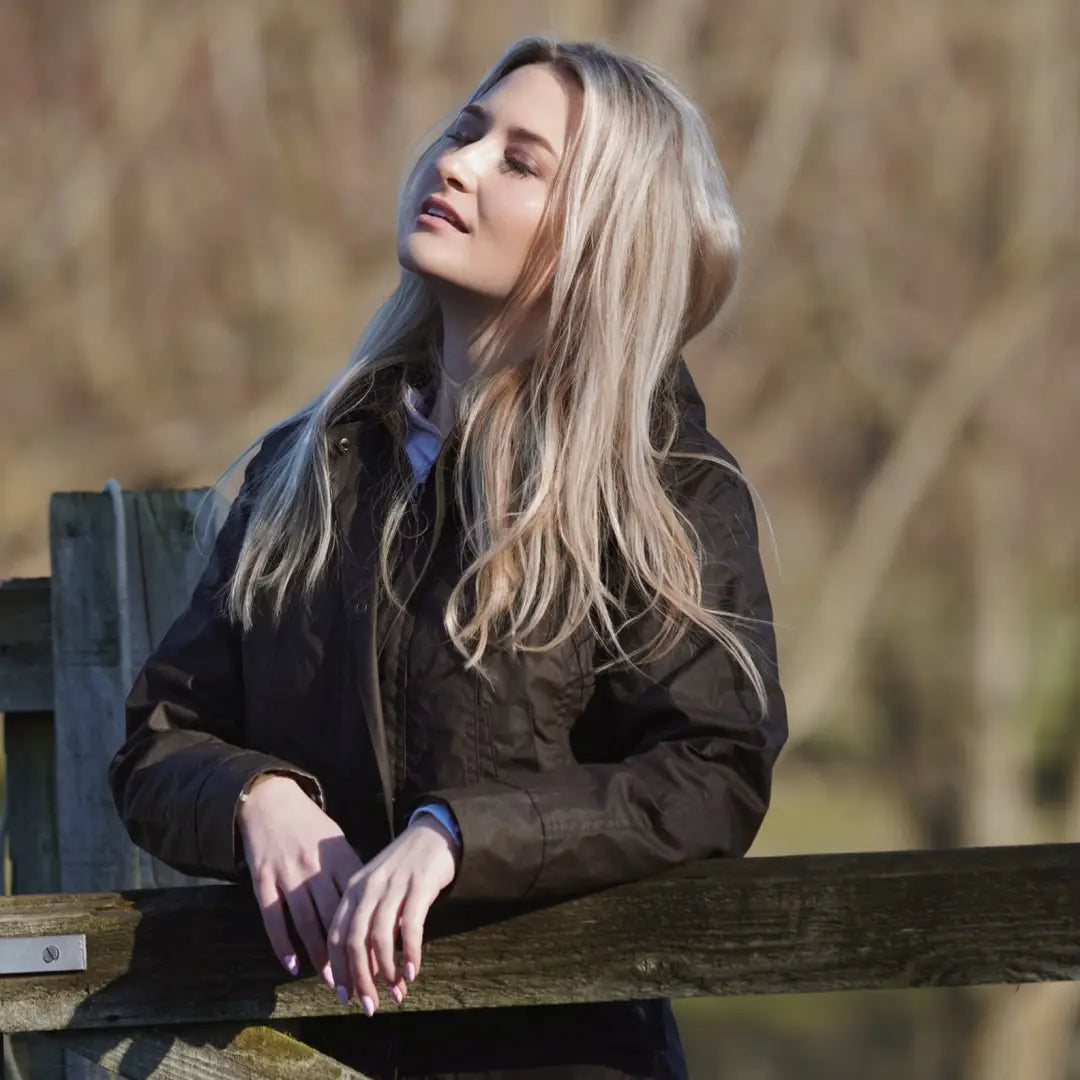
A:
{"x": 510, "y": 163}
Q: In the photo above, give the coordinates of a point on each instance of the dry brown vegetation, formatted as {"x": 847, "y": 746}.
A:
{"x": 195, "y": 222}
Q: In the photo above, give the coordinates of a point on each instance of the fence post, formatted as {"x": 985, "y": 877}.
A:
{"x": 98, "y": 644}
{"x": 32, "y": 848}
{"x": 161, "y": 564}
{"x": 167, "y": 549}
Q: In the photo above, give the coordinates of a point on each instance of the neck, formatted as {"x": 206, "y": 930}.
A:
{"x": 458, "y": 359}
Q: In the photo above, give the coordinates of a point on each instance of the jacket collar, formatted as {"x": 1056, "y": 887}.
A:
{"x": 691, "y": 407}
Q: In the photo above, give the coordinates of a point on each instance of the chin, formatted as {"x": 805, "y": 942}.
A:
{"x": 447, "y": 280}
{"x": 421, "y": 260}
{"x": 442, "y": 279}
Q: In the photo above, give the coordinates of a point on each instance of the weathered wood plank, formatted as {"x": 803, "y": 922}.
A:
{"x": 31, "y": 799}
{"x": 166, "y": 556}
{"x": 167, "y": 549}
{"x": 715, "y": 927}
{"x": 164, "y": 561}
{"x": 89, "y": 682}
{"x": 99, "y": 642}
{"x": 205, "y": 1052}
{"x": 32, "y": 846}
{"x": 95, "y": 852}
{"x": 103, "y": 627}
{"x": 26, "y": 672}
{"x": 28, "y": 1056}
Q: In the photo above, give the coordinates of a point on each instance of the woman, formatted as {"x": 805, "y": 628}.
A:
{"x": 487, "y": 619}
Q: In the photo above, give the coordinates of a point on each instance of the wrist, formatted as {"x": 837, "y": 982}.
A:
{"x": 446, "y": 842}
{"x": 443, "y": 814}
{"x": 436, "y": 825}
{"x": 260, "y": 783}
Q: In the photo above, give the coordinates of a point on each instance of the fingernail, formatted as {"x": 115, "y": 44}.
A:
{"x": 369, "y": 1005}
{"x": 343, "y": 995}
{"x": 398, "y": 996}
{"x": 292, "y": 965}
{"x": 328, "y": 976}
{"x": 410, "y": 971}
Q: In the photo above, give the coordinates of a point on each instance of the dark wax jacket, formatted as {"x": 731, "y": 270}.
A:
{"x": 562, "y": 779}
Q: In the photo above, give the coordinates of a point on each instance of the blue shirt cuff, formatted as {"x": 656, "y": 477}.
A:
{"x": 443, "y": 813}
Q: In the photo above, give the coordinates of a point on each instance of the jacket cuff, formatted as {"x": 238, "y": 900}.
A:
{"x": 218, "y": 801}
{"x": 502, "y": 841}
{"x": 443, "y": 813}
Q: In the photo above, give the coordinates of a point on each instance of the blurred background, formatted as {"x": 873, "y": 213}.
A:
{"x": 196, "y": 222}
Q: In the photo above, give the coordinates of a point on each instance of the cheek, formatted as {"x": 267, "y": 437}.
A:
{"x": 521, "y": 219}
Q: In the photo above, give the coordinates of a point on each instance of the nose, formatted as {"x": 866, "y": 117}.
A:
{"x": 456, "y": 169}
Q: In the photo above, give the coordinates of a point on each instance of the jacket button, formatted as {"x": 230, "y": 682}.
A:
{"x": 342, "y": 445}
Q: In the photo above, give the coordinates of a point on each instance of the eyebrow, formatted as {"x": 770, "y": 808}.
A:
{"x": 478, "y": 110}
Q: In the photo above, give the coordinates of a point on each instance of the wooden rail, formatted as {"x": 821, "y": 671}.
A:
{"x": 226, "y": 1051}
{"x": 717, "y": 927}
{"x": 714, "y": 927}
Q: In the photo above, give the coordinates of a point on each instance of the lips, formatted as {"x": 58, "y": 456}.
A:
{"x": 433, "y": 202}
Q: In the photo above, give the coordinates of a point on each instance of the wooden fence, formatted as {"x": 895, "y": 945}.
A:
{"x": 163, "y": 948}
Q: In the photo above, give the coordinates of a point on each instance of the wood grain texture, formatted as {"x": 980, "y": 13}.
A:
{"x": 95, "y": 852}
{"x": 169, "y": 536}
{"x": 714, "y": 927}
{"x": 205, "y": 1052}
{"x": 26, "y": 671}
{"x": 31, "y": 800}
{"x": 102, "y": 629}
{"x": 92, "y": 672}
{"x": 32, "y": 846}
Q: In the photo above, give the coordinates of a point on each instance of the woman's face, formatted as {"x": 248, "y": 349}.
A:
{"x": 494, "y": 169}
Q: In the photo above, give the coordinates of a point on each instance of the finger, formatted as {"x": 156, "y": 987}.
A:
{"x": 272, "y": 909}
{"x": 383, "y": 931}
{"x": 400, "y": 990}
{"x": 413, "y": 917}
{"x": 325, "y": 897}
{"x": 358, "y": 949}
{"x": 345, "y": 867}
{"x": 336, "y": 940}
{"x": 309, "y": 928}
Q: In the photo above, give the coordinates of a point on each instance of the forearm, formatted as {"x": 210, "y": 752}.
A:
{"x": 177, "y": 793}
{"x": 584, "y": 827}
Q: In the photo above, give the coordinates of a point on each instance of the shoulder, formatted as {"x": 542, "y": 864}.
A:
{"x": 704, "y": 478}
{"x": 708, "y": 489}
{"x": 281, "y": 437}
{"x": 273, "y": 445}
{"x": 700, "y": 473}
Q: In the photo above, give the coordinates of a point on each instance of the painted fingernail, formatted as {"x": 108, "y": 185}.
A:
{"x": 410, "y": 971}
{"x": 343, "y": 995}
{"x": 292, "y": 965}
{"x": 369, "y": 1005}
{"x": 398, "y": 996}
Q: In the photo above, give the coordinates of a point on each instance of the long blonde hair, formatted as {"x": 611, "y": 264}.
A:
{"x": 559, "y": 475}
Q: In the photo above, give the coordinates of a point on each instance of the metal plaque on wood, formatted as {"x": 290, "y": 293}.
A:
{"x": 42, "y": 955}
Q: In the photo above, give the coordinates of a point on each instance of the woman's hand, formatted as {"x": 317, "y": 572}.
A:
{"x": 298, "y": 856}
{"x": 396, "y": 888}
